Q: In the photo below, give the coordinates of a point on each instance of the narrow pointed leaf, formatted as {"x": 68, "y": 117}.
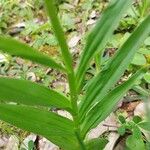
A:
{"x": 141, "y": 91}
{"x": 22, "y": 50}
{"x": 106, "y": 79}
{"x": 55, "y": 128}
{"x": 28, "y": 93}
{"x": 103, "y": 108}
{"x": 101, "y": 34}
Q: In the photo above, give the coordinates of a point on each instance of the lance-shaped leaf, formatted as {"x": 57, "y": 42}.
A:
{"x": 55, "y": 128}
{"x": 106, "y": 79}
{"x": 96, "y": 144}
{"x": 101, "y": 34}
{"x": 22, "y": 50}
{"x": 103, "y": 108}
{"x": 141, "y": 91}
{"x": 28, "y": 93}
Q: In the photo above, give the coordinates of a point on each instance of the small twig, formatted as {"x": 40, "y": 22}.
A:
{"x": 109, "y": 125}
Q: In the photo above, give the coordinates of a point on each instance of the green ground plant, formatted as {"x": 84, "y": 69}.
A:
{"x": 143, "y": 7}
{"x": 136, "y": 139}
{"x": 101, "y": 96}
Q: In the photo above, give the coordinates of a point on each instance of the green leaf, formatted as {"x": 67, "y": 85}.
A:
{"x": 136, "y": 132}
{"x": 134, "y": 143}
{"x": 96, "y": 144}
{"x": 145, "y": 125}
{"x": 115, "y": 68}
{"x": 101, "y": 34}
{"x": 104, "y": 107}
{"x": 137, "y": 119}
{"x": 52, "y": 12}
{"x": 121, "y": 130}
{"x": 22, "y": 50}
{"x": 147, "y": 145}
{"x": 147, "y": 77}
{"x": 31, "y": 145}
{"x": 141, "y": 91}
{"x": 55, "y": 128}
{"x": 122, "y": 119}
{"x": 147, "y": 41}
{"x": 139, "y": 59}
{"x": 28, "y": 93}
{"x": 144, "y": 51}
{"x": 67, "y": 21}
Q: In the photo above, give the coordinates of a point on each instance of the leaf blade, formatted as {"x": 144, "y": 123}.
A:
{"x": 101, "y": 34}
{"x": 106, "y": 79}
{"x": 14, "y": 47}
{"x": 104, "y": 107}
{"x": 29, "y": 93}
{"x": 47, "y": 124}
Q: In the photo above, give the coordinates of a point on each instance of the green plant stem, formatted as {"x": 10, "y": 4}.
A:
{"x": 74, "y": 97}
{"x": 52, "y": 12}
{"x": 98, "y": 62}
